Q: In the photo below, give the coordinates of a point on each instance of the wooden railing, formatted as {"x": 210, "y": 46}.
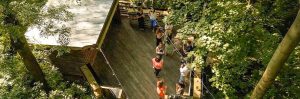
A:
{"x": 107, "y": 22}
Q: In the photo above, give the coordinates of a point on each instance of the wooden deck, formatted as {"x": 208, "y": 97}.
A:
{"x": 130, "y": 51}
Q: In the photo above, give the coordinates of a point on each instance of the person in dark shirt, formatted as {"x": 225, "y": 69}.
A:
{"x": 141, "y": 19}
{"x": 159, "y": 35}
{"x": 188, "y": 47}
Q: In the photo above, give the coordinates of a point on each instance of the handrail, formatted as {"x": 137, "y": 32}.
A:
{"x": 106, "y": 24}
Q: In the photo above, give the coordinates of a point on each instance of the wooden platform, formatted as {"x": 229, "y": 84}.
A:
{"x": 130, "y": 51}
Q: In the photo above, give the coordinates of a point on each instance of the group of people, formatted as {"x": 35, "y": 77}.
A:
{"x": 165, "y": 45}
{"x": 141, "y": 18}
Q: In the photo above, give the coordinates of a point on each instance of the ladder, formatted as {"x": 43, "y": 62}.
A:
{"x": 123, "y": 7}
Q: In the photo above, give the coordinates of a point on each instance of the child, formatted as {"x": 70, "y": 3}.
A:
{"x": 161, "y": 89}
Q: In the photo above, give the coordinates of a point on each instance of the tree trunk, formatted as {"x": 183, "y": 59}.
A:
{"x": 287, "y": 45}
{"x": 20, "y": 44}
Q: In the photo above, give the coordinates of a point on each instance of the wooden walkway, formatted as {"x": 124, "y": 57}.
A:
{"x": 130, "y": 51}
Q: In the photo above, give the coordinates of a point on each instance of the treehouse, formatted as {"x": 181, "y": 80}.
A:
{"x": 92, "y": 20}
{"x": 109, "y": 55}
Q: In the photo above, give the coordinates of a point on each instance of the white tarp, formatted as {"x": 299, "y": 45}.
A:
{"x": 89, "y": 18}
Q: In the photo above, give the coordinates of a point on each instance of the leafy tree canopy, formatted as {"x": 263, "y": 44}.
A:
{"x": 16, "y": 16}
{"x": 236, "y": 39}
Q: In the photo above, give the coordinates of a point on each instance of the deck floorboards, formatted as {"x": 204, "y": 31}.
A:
{"x": 130, "y": 51}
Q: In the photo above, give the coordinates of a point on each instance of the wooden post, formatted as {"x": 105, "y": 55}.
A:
{"x": 107, "y": 23}
{"x": 197, "y": 86}
{"x": 90, "y": 53}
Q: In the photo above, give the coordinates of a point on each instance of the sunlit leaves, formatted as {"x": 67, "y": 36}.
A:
{"x": 53, "y": 20}
{"x": 15, "y": 81}
{"x": 26, "y": 12}
{"x": 237, "y": 38}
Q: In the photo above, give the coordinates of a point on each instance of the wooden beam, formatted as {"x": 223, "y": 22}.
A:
{"x": 107, "y": 22}
{"x": 197, "y": 88}
{"x": 92, "y": 81}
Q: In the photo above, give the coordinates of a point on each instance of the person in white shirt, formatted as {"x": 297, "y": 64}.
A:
{"x": 184, "y": 71}
{"x": 160, "y": 50}
{"x": 153, "y": 21}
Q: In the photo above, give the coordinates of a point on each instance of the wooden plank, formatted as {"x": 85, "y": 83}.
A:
{"x": 126, "y": 2}
{"x": 197, "y": 88}
{"x": 129, "y": 52}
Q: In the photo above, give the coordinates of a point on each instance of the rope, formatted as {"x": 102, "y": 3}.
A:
{"x": 107, "y": 62}
{"x": 171, "y": 42}
{"x": 174, "y": 47}
{"x": 206, "y": 87}
{"x": 185, "y": 61}
{"x": 207, "y": 90}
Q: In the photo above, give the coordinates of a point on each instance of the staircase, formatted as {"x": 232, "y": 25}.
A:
{"x": 123, "y": 7}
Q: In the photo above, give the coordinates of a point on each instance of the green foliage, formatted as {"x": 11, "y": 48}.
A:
{"x": 287, "y": 83}
{"x": 15, "y": 81}
{"x": 51, "y": 20}
{"x": 238, "y": 38}
{"x": 161, "y": 4}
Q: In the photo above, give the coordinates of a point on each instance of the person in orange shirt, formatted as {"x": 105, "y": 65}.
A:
{"x": 161, "y": 89}
{"x": 157, "y": 63}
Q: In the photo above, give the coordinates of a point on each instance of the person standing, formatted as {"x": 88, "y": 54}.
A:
{"x": 161, "y": 89}
{"x": 184, "y": 71}
{"x": 153, "y": 20}
{"x": 160, "y": 50}
{"x": 157, "y": 63}
{"x": 159, "y": 35}
{"x": 188, "y": 47}
{"x": 178, "y": 46}
{"x": 141, "y": 19}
